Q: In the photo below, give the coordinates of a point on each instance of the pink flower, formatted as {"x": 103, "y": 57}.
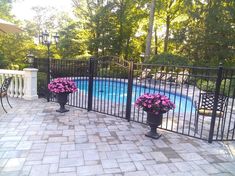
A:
{"x": 155, "y": 103}
{"x": 62, "y": 85}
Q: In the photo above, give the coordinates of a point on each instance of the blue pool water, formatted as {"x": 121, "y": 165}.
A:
{"x": 115, "y": 91}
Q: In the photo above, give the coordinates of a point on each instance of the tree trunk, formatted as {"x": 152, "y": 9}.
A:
{"x": 150, "y": 31}
{"x": 155, "y": 42}
{"x": 127, "y": 48}
{"x": 95, "y": 46}
{"x": 167, "y": 34}
{"x": 121, "y": 18}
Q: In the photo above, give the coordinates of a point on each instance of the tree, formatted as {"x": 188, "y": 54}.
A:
{"x": 129, "y": 17}
{"x": 5, "y": 10}
{"x": 45, "y": 18}
{"x": 199, "y": 31}
{"x": 94, "y": 17}
{"x": 15, "y": 49}
{"x": 208, "y": 35}
{"x": 219, "y": 30}
{"x": 72, "y": 41}
{"x": 11, "y": 46}
{"x": 112, "y": 25}
{"x": 168, "y": 11}
{"x": 150, "y": 31}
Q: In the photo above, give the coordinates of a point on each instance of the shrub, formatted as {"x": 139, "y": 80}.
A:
{"x": 206, "y": 85}
{"x": 225, "y": 88}
{"x": 169, "y": 59}
{"x": 116, "y": 72}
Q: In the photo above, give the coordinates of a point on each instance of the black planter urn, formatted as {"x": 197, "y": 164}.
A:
{"x": 154, "y": 121}
{"x": 62, "y": 99}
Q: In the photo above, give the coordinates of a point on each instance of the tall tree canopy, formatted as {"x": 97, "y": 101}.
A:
{"x": 13, "y": 47}
{"x": 197, "y": 32}
{"x": 5, "y": 9}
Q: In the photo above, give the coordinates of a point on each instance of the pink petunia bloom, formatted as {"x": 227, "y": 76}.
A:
{"x": 155, "y": 103}
{"x": 62, "y": 85}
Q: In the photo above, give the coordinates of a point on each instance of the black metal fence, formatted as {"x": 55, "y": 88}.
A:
{"x": 42, "y": 66}
{"x": 204, "y": 96}
{"x": 208, "y": 118}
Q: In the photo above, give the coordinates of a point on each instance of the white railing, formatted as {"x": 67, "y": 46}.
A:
{"x": 23, "y": 84}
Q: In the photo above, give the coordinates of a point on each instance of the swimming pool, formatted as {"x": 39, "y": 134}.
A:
{"x": 116, "y": 91}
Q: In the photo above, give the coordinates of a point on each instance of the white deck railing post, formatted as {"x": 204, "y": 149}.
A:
{"x": 23, "y": 84}
{"x": 30, "y": 87}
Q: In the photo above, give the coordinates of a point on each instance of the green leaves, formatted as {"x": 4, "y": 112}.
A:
{"x": 202, "y": 32}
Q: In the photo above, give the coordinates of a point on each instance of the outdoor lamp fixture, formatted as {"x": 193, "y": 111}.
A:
{"x": 30, "y": 58}
{"x": 46, "y": 39}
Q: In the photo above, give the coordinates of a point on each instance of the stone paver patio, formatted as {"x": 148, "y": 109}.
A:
{"x": 37, "y": 141}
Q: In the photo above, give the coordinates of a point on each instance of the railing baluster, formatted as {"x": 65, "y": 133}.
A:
{"x": 20, "y": 86}
{"x": 16, "y": 86}
{"x": 12, "y": 88}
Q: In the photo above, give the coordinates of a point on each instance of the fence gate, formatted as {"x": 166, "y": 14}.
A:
{"x": 108, "y": 86}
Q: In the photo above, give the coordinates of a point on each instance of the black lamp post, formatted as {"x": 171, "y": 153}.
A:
{"x": 30, "y": 58}
{"x": 46, "y": 39}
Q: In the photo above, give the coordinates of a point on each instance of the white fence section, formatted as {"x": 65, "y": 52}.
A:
{"x": 23, "y": 84}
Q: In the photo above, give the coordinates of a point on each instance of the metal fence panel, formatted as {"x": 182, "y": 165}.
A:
{"x": 111, "y": 86}
{"x": 225, "y": 127}
{"x": 41, "y": 65}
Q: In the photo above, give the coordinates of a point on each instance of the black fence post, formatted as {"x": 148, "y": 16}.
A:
{"x": 48, "y": 77}
{"x": 35, "y": 60}
{"x": 215, "y": 105}
{"x": 90, "y": 83}
{"x": 129, "y": 91}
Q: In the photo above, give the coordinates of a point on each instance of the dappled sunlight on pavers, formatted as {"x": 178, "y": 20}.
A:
{"x": 36, "y": 140}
